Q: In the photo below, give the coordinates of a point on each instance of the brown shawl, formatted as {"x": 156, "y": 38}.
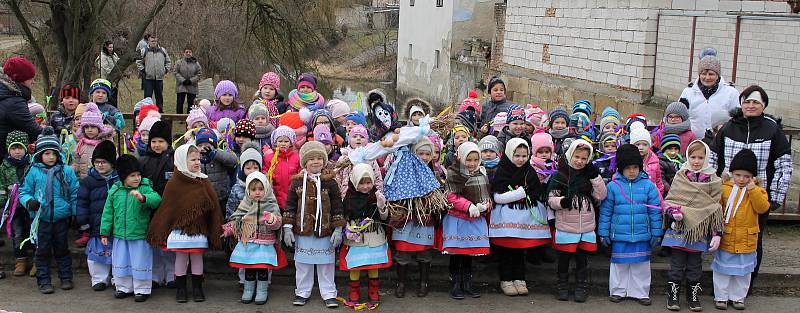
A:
{"x": 699, "y": 202}
{"x": 190, "y": 205}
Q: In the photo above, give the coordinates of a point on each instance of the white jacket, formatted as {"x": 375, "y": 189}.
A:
{"x": 726, "y": 98}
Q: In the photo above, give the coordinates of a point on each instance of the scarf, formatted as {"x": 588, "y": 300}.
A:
{"x": 299, "y": 100}
{"x": 699, "y": 203}
{"x": 707, "y": 168}
{"x": 491, "y": 163}
{"x": 54, "y": 173}
{"x": 509, "y": 176}
{"x": 181, "y": 156}
{"x": 730, "y": 208}
{"x": 708, "y": 91}
{"x": 558, "y": 134}
{"x": 318, "y": 215}
{"x": 26, "y": 159}
{"x": 272, "y": 108}
{"x": 262, "y": 132}
{"x": 472, "y": 186}
{"x": 573, "y": 184}
{"x": 248, "y": 213}
{"x": 86, "y": 141}
{"x": 677, "y": 128}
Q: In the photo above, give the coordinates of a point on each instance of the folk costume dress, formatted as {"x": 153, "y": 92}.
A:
{"x": 365, "y": 245}
{"x": 461, "y": 233}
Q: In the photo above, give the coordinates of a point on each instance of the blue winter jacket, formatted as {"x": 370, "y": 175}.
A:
{"x": 621, "y": 220}
{"x": 92, "y": 198}
{"x": 63, "y": 201}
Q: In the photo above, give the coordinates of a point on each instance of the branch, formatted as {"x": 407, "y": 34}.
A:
{"x": 37, "y": 48}
{"x": 128, "y": 58}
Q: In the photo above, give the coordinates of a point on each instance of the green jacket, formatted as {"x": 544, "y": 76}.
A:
{"x": 9, "y": 175}
{"x": 124, "y": 216}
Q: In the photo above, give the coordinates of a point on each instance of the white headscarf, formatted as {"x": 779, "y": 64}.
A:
{"x": 181, "y": 157}
{"x": 707, "y": 168}
{"x": 573, "y": 146}
{"x": 360, "y": 171}
{"x": 513, "y": 144}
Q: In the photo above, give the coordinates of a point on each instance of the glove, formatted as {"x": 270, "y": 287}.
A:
{"x": 714, "y": 244}
{"x": 206, "y": 150}
{"x": 473, "y": 211}
{"x": 268, "y": 217}
{"x": 678, "y": 216}
{"x": 187, "y": 82}
{"x": 288, "y": 237}
{"x": 605, "y": 241}
{"x": 591, "y": 170}
{"x": 336, "y": 238}
{"x": 566, "y": 202}
{"x": 654, "y": 241}
{"x": 33, "y": 205}
{"x": 227, "y": 229}
{"x": 482, "y": 207}
{"x": 381, "y": 200}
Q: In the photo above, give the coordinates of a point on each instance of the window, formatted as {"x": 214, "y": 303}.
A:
{"x": 410, "y": 51}
{"x": 439, "y": 3}
{"x": 435, "y": 58}
{"x": 411, "y": 3}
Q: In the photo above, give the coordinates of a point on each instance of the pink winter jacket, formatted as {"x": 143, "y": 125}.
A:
{"x": 288, "y": 165}
{"x": 686, "y": 138}
{"x": 574, "y": 220}
{"x": 653, "y": 169}
{"x": 461, "y": 207}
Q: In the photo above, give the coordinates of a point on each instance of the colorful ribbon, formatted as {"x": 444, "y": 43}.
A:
{"x": 358, "y": 306}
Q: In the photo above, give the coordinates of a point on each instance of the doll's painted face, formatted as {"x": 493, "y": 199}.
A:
{"x": 133, "y": 180}
{"x": 365, "y": 185}
{"x": 459, "y": 137}
{"x": 250, "y": 167}
{"x": 256, "y": 190}
{"x": 384, "y": 116}
{"x": 283, "y": 142}
{"x": 472, "y": 162}
{"x": 609, "y": 127}
{"x": 488, "y": 155}
{"x": 158, "y": 145}
{"x": 609, "y": 147}
{"x": 521, "y": 156}
{"x": 544, "y": 153}
{"x": 559, "y": 123}
{"x": 268, "y": 92}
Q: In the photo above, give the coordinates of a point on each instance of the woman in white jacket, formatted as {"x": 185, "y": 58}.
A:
{"x": 708, "y": 93}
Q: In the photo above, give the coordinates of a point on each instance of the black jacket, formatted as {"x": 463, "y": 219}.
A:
{"x": 157, "y": 168}
{"x": 14, "y": 113}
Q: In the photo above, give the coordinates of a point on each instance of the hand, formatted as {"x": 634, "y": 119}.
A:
{"x": 482, "y": 207}
{"x": 33, "y": 205}
{"x": 288, "y": 237}
{"x": 678, "y": 216}
{"x": 655, "y": 241}
{"x": 591, "y": 170}
{"x": 714, "y": 244}
{"x": 104, "y": 240}
{"x": 485, "y": 128}
{"x": 566, "y": 202}
{"x": 268, "y": 217}
{"x": 751, "y": 185}
{"x": 605, "y": 241}
{"x": 206, "y": 150}
{"x": 187, "y": 82}
{"x": 473, "y": 211}
{"x": 381, "y": 200}
{"x": 336, "y": 237}
{"x": 774, "y": 206}
{"x": 227, "y": 229}
{"x": 138, "y": 195}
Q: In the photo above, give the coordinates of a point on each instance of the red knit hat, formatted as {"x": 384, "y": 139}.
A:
{"x": 69, "y": 91}
{"x": 19, "y": 69}
{"x": 292, "y": 119}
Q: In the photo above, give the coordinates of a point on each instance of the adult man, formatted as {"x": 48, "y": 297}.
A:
{"x": 187, "y": 74}
{"x": 153, "y": 65}
{"x": 16, "y": 81}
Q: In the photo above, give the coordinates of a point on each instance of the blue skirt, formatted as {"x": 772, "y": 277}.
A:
{"x": 132, "y": 258}
{"x": 675, "y": 239}
{"x": 253, "y": 253}
{"x": 414, "y": 233}
{"x": 314, "y": 250}
{"x": 177, "y": 241}
{"x": 97, "y": 252}
{"x": 734, "y": 264}
{"x": 461, "y": 233}
{"x": 630, "y": 252}
{"x": 364, "y": 256}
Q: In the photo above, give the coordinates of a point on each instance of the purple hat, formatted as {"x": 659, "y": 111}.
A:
{"x": 322, "y": 133}
{"x": 226, "y": 87}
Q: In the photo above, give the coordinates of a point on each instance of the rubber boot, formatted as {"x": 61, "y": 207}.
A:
{"x": 262, "y": 292}
{"x": 693, "y": 291}
{"x": 424, "y": 274}
{"x": 180, "y": 289}
{"x": 402, "y": 275}
{"x": 355, "y": 290}
{"x": 249, "y": 291}
{"x": 581, "y": 285}
{"x": 19, "y": 266}
{"x": 563, "y": 287}
{"x": 372, "y": 291}
{"x": 466, "y": 286}
{"x": 197, "y": 288}
{"x": 455, "y": 287}
{"x": 673, "y": 296}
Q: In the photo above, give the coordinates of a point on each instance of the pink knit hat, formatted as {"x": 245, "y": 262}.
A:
{"x": 196, "y": 115}
{"x": 338, "y": 108}
{"x": 541, "y": 140}
{"x": 470, "y": 102}
{"x": 358, "y": 130}
{"x": 322, "y": 133}
{"x": 499, "y": 121}
{"x": 272, "y": 79}
{"x": 92, "y": 117}
{"x": 147, "y": 123}
{"x": 535, "y": 115}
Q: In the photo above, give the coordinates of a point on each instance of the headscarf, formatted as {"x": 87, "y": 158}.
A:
{"x": 182, "y": 157}
{"x": 509, "y": 175}
{"x": 707, "y": 168}
{"x": 573, "y": 183}
{"x": 249, "y": 211}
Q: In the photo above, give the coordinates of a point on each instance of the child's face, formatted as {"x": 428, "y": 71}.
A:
{"x": 226, "y": 99}
{"x": 250, "y": 167}
{"x": 528, "y": 127}
{"x": 91, "y": 132}
{"x": 459, "y": 137}
{"x": 488, "y": 155}
{"x": 425, "y": 156}
{"x": 16, "y": 152}
{"x": 697, "y": 159}
{"x": 305, "y": 89}
{"x": 70, "y": 103}
{"x": 631, "y": 172}
{"x": 348, "y": 124}
{"x": 544, "y": 153}
{"x": 256, "y": 189}
{"x": 204, "y": 145}
{"x": 240, "y": 140}
{"x": 365, "y": 185}
{"x": 472, "y": 162}
{"x": 672, "y": 151}
{"x": 158, "y": 145}
{"x": 102, "y": 166}
{"x": 322, "y": 120}
{"x": 610, "y": 127}
{"x": 261, "y": 120}
{"x": 609, "y": 147}
{"x": 644, "y": 148}
{"x": 199, "y": 124}
{"x": 498, "y": 92}
{"x": 559, "y": 123}
{"x": 520, "y": 156}
{"x": 416, "y": 117}
{"x": 268, "y": 92}
{"x": 283, "y": 143}
{"x": 99, "y": 96}
{"x": 144, "y": 135}
{"x": 193, "y": 161}
{"x": 516, "y": 127}
{"x": 435, "y": 154}
{"x": 674, "y": 119}
{"x": 49, "y": 157}
{"x": 133, "y": 180}
{"x": 315, "y": 164}
{"x": 579, "y": 159}
{"x": 742, "y": 178}
{"x": 357, "y": 141}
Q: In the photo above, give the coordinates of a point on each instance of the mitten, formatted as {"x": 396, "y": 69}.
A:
{"x": 678, "y": 216}
{"x": 591, "y": 170}
{"x": 187, "y": 82}
{"x": 33, "y": 205}
{"x": 654, "y": 241}
{"x": 288, "y": 237}
{"x": 473, "y": 211}
{"x": 227, "y": 229}
{"x": 566, "y": 203}
{"x": 336, "y": 238}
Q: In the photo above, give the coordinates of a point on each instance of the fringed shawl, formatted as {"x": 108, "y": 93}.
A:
{"x": 699, "y": 203}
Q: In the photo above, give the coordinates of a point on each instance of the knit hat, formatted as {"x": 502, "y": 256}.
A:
{"x": 635, "y": 118}
{"x": 17, "y": 138}
{"x": 359, "y": 172}
{"x": 499, "y": 121}
{"x": 69, "y": 91}
{"x": 292, "y": 120}
{"x": 250, "y": 152}
{"x": 358, "y": 130}
{"x": 322, "y": 133}
{"x": 628, "y": 154}
{"x": 579, "y": 120}
{"x": 494, "y": 81}
{"x": 468, "y": 119}
{"x": 607, "y": 136}
{"x": 677, "y": 108}
{"x": 490, "y": 143}
{"x": 542, "y": 140}
{"x": 100, "y": 84}
{"x": 536, "y": 116}
{"x": 105, "y": 150}
{"x": 258, "y": 109}
{"x": 19, "y": 69}
{"x": 310, "y": 150}
{"x": 204, "y": 105}
{"x": 126, "y": 165}
{"x": 35, "y": 108}
{"x": 465, "y": 149}
{"x": 640, "y": 134}
{"x": 436, "y": 141}
{"x": 515, "y": 113}
{"x": 147, "y": 123}
{"x": 160, "y": 129}
{"x": 145, "y": 107}
{"x": 670, "y": 140}
{"x": 321, "y": 112}
{"x": 245, "y": 128}
{"x": 307, "y": 79}
{"x": 582, "y": 106}
{"x": 282, "y": 131}
{"x": 424, "y": 144}
{"x": 79, "y": 110}
{"x": 470, "y": 102}
{"x": 513, "y": 144}
{"x": 47, "y": 141}
{"x": 610, "y": 115}
{"x": 338, "y": 108}
{"x": 204, "y": 135}
{"x": 226, "y": 87}
{"x": 270, "y": 78}
{"x": 225, "y": 124}
{"x": 709, "y": 62}
{"x": 357, "y": 117}
{"x": 744, "y": 160}
{"x": 559, "y": 111}
{"x": 92, "y": 117}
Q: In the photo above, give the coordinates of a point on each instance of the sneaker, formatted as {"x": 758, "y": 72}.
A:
{"x": 140, "y": 297}
{"x": 521, "y": 286}
{"x": 122, "y": 295}
{"x": 46, "y": 289}
{"x": 644, "y": 301}
{"x": 615, "y": 298}
{"x": 67, "y": 284}
{"x": 508, "y": 288}
{"x": 331, "y": 303}
{"x": 739, "y": 305}
{"x": 299, "y": 301}
{"x": 81, "y": 242}
{"x": 99, "y": 286}
{"x": 721, "y": 305}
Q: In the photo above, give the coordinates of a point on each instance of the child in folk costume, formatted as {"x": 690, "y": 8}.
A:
{"x": 743, "y": 200}
{"x": 249, "y": 162}
{"x": 365, "y": 247}
{"x": 575, "y": 191}
{"x": 693, "y": 215}
{"x": 125, "y": 218}
{"x": 188, "y": 221}
{"x": 464, "y": 229}
{"x": 281, "y": 163}
{"x": 254, "y": 224}
{"x": 357, "y": 137}
{"x": 313, "y": 221}
{"x": 634, "y": 206}
{"x": 518, "y": 220}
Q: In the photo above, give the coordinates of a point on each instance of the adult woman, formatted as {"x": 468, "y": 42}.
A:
{"x": 709, "y": 92}
{"x": 107, "y": 59}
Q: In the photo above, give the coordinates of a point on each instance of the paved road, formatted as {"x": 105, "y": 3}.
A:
{"x": 19, "y": 294}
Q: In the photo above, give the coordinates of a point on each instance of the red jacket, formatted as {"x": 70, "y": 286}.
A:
{"x": 288, "y": 164}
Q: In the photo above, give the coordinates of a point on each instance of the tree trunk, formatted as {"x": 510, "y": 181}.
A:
{"x": 44, "y": 70}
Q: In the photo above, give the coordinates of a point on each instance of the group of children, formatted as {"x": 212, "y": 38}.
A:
{"x": 329, "y": 183}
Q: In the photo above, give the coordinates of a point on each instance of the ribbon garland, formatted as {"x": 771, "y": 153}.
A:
{"x": 358, "y": 306}
{"x": 534, "y": 215}
{"x": 364, "y": 224}
{"x": 10, "y": 208}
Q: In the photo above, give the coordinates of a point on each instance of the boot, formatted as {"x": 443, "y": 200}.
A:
{"x": 197, "y": 288}
{"x": 372, "y": 292}
{"x": 693, "y": 291}
{"x": 262, "y": 292}
{"x": 249, "y": 291}
{"x": 424, "y": 272}
{"x": 673, "y": 296}
{"x": 20, "y": 266}
{"x": 81, "y": 242}
{"x": 455, "y": 289}
{"x": 581, "y": 285}
{"x": 402, "y": 275}
{"x": 180, "y": 289}
{"x": 355, "y": 290}
{"x": 466, "y": 286}
{"x": 563, "y": 287}
{"x": 32, "y": 273}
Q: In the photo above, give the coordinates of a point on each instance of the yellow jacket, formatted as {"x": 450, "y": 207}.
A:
{"x": 741, "y": 231}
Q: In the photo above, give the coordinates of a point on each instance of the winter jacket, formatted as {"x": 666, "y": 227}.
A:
{"x": 187, "y": 69}
{"x": 576, "y": 220}
{"x": 288, "y": 165}
{"x": 634, "y": 220}
{"x": 92, "y": 199}
{"x": 64, "y": 195}
{"x": 490, "y": 108}
{"x": 157, "y": 168}
{"x": 83, "y": 159}
{"x": 343, "y": 178}
{"x": 726, "y": 98}
{"x": 741, "y": 231}
{"x": 124, "y": 217}
{"x": 653, "y": 169}
{"x": 154, "y": 64}
{"x": 14, "y": 113}
{"x": 764, "y": 136}
{"x": 61, "y": 119}
{"x": 235, "y": 197}
{"x": 686, "y": 138}
{"x": 215, "y": 113}
{"x": 112, "y": 115}
{"x": 505, "y": 135}
{"x": 9, "y": 175}
{"x": 332, "y": 214}
{"x": 105, "y": 63}
{"x": 218, "y": 170}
